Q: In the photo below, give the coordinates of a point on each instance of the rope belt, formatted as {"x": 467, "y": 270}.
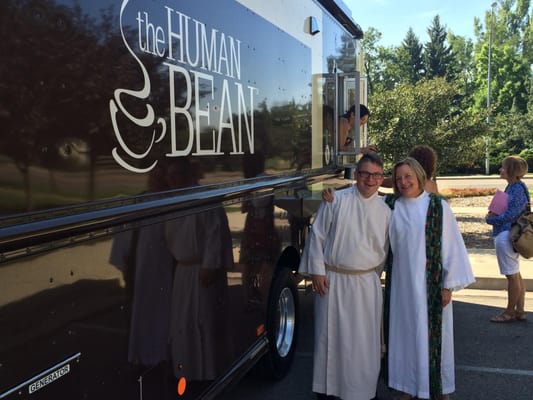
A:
{"x": 350, "y": 271}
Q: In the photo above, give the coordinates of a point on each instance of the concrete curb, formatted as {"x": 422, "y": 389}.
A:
{"x": 487, "y": 273}
{"x": 484, "y": 262}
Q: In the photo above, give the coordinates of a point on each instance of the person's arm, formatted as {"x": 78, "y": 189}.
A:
{"x": 446, "y": 297}
{"x": 320, "y": 284}
{"x": 328, "y": 195}
{"x": 312, "y": 261}
{"x": 517, "y": 202}
{"x": 371, "y": 148}
{"x": 344, "y": 128}
{"x": 456, "y": 268}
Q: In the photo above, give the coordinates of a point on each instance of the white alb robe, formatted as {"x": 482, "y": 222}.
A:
{"x": 349, "y": 233}
{"x": 408, "y": 338}
{"x": 200, "y": 345}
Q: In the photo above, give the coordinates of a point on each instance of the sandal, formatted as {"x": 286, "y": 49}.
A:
{"x": 503, "y": 318}
{"x": 521, "y": 316}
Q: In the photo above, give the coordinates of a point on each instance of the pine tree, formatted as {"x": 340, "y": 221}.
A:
{"x": 437, "y": 55}
{"x": 410, "y": 57}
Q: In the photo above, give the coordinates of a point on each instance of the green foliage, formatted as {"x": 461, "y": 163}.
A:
{"x": 424, "y": 113}
{"x": 512, "y": 134}
{"x": 508, "y": 36}
{"x": 437, "y": 54}
{"x": 410, "y": 59}
{"x": 381, "y": 64}
{"x": 412, "y": 102}
{"x": 461, "y": 66}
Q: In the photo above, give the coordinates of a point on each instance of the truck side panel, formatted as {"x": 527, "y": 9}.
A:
{"x": 157, "y": 161}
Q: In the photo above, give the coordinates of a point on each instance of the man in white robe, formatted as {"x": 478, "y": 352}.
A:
{"x": 344, "y": 255}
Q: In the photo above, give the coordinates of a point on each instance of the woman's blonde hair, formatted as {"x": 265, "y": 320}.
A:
{"x": 416, "y": 167}
{"x": 515, "y": 166}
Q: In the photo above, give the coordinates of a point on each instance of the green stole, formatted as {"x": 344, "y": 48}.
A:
{"x": 434, "y": 286}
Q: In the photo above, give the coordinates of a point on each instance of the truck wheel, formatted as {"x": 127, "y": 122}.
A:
{"x": 282, "y": 324}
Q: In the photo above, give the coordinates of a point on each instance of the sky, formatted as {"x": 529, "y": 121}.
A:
{"x": 394, "y": 17}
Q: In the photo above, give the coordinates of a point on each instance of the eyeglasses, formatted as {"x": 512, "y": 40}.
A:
{"x": 366, "y": 174}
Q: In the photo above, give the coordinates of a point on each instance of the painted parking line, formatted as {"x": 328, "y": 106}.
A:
{"x": 501, "y": 371}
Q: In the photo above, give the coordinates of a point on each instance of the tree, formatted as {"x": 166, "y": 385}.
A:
{"x": 437, "y": 53}
{"x": 42, "y": 126}
{"x": 462, "y": 66}
{"x": 424, "y": 114}
{"x": 513, "y": 136}
{"x": 404, "y": 114}
{"x": 371, "y": 62}
{"x": 410, "y": 58}
{"x": 508, "y": 35}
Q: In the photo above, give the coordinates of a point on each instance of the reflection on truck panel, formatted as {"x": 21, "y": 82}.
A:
{"x": 159, "y": 165}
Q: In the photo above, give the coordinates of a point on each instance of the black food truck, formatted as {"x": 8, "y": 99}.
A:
{"x": 160, "y": 161}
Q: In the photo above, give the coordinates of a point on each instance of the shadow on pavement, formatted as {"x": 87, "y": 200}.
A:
{"x": 493, "y": 361}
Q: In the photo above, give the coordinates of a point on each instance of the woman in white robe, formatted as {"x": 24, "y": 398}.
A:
{"x": 408, "y": 348}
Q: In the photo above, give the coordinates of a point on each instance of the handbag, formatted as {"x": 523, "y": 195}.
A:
{"x": 521, "y": 233}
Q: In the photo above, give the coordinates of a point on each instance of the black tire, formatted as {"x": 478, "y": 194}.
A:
{"x": 282, "y": 324}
